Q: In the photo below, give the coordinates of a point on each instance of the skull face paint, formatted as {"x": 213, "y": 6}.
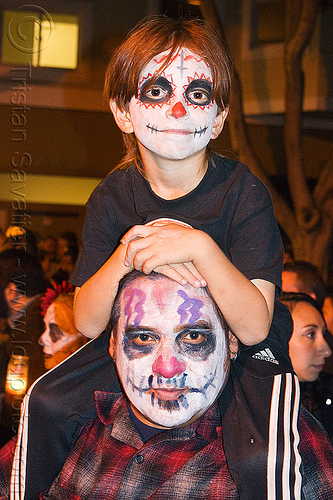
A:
{"x": 57, "y": 344}
{"x": 171, "y": 351}
{"x": 173, "y": 114}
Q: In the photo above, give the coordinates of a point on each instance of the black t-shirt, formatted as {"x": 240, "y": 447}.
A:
{"x": 230, "y": 204}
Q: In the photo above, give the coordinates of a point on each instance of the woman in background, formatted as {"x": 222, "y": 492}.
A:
{"x": 308, "y": 350}
{"x": 60, "y": 338}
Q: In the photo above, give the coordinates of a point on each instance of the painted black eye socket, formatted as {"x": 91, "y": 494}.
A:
{"x": 199, "y": 92}
{"x": 55, "y": 332}
{"x": 194, "y": 337}
{"x": 154, "y": 91}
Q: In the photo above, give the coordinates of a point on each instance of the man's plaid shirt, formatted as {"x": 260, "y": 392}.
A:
{"x": 109, "y": 460}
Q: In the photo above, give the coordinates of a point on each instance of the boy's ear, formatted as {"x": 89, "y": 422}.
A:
{"x": 112, "y": 345}
{"x": 219, "y": 123}
{"x": 122, "y": 118}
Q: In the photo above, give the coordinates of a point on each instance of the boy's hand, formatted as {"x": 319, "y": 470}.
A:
{"x": 164, "y": 247}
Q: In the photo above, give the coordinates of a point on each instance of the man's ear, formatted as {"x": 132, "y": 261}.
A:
{"x": 233, "y": 345}
{"x": 121, "y": 117}
{"x": 219, "y": 123}
{"x": 112, "y": 346}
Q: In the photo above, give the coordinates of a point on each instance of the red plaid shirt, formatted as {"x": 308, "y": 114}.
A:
{"x": 98, "y": 457}
{"x": 109, "y": 460}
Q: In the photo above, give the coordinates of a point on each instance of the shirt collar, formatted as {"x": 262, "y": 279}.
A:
{"x": 112, "y": 410}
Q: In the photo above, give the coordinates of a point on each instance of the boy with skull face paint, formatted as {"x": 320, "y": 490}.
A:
{"x": 194, "y": 216}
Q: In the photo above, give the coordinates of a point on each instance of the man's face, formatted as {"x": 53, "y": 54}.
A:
{"x": 171, "y": 351}
{"x": 174, "y": 114}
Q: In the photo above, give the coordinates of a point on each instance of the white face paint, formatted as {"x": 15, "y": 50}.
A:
{"x": 174, "y": 116}
{"x": 171, "y": 351}
{"x": 57, "y": 344}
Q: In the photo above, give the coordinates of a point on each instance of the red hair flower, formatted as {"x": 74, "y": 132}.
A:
{"x": 52, "y": 293}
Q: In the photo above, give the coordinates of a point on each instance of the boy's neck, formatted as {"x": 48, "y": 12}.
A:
{"x": 171, "y": 179}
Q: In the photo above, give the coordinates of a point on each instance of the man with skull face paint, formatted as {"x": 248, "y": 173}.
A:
{"x": 164, "y": 439}
{"x": 171, "y": 351}
{"x": 168, "y": 86}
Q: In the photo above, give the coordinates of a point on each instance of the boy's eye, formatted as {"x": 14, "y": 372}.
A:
{"x": 199, "y": 97}
{"x": 155, "y": 93}
{"x": 159, "y": 90}
{"x": 199, "y": 92}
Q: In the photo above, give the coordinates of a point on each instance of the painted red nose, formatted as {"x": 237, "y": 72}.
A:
{"x": 168, "y": 367}
{"x": 178, "y": 110}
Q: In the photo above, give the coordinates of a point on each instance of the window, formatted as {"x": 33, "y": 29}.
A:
{"x": 40, "y": 38}
{"x": 268, "y": 22}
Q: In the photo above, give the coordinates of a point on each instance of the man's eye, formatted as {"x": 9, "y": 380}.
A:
{"x": 143, "y": 339}
{"x": 194, "y": 337}
{"x": 199, "y": 97}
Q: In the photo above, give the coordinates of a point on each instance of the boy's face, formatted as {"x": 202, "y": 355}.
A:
{"x": 174, "y": 116}
{"x": 171, "y": 351}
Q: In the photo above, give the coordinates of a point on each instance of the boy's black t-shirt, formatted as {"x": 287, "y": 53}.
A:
{"x": 230, "y": 204}
{"x": 235, "y": 209}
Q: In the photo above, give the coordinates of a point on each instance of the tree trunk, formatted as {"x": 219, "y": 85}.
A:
{"x": 309, "y": 223}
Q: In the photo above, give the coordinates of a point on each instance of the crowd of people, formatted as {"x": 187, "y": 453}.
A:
{"x": 26, "y": 285}
{"x": 189, "y": 388}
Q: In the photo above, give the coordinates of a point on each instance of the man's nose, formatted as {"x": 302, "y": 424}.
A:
{"x": 168, "y": 367}
{"x": 178, "y": 110}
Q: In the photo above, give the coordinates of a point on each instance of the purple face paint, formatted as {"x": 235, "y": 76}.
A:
{"x": 190, "y": 306}
{"x": 135, "y": 299}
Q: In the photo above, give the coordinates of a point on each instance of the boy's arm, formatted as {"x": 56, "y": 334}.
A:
{"x": 247, "y": 306}
{"x": 93, "y": 300}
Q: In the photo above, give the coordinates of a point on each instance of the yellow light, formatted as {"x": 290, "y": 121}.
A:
{"x": 58, "y": 48}
{"x": 17, "y": 375}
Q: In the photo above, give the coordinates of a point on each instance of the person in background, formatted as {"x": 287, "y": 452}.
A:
{"x": 21, "y": 238}
{"x": 67, "y": 242}
{"x": 65, "y": 267}
{"x": 60, "y": 338}
{"x": 22, "y": 281}
{"x": 302, "y": 276}
{"x": 328, "y": 310}
{"x": 308, "y": 350}
{"x": 48, "y": 255}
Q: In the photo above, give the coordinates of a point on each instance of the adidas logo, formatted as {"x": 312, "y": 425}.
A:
{"x": 266, "y": 355}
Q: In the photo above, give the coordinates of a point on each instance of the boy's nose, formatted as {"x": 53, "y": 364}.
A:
{"x": 168, "y": 367}
{"x": 178, "y": 110}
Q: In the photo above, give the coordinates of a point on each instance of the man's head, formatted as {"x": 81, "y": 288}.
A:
{"x": 170, "y": 345}
{"x": 21, "y": 276}
{"x": 164, "y": 60}
{"x": 303, "y": 277}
